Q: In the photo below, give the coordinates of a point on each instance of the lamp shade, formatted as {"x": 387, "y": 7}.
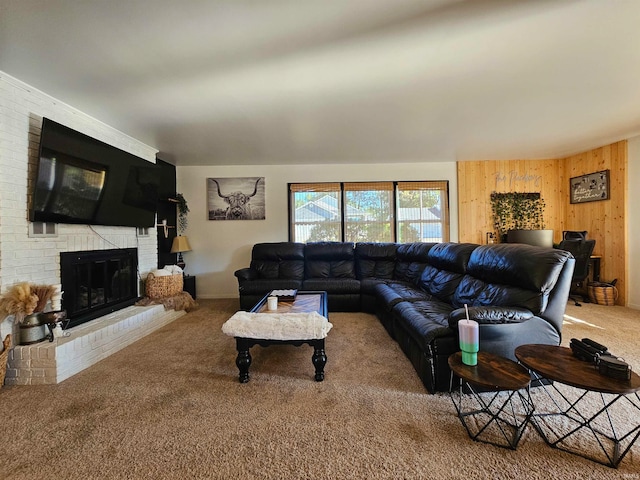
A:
{"x": 180, "y": 244}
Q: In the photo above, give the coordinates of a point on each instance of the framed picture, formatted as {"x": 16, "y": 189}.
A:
{"x": 590, "y": 187}
{"x": 237, "y": 198}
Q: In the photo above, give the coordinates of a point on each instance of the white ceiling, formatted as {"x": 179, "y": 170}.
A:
{"x": 338, "y": 81}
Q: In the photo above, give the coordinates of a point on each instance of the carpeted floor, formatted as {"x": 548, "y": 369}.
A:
{"x": 170, "y": 407}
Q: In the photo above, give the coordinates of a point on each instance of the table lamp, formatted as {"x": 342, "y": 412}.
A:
{"x": 180, "y": 244}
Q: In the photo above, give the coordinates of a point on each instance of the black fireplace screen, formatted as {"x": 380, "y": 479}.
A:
{"x": 98, "y": 282}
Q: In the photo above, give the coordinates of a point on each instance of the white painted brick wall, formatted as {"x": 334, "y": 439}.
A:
{"x": 37, "y": 260}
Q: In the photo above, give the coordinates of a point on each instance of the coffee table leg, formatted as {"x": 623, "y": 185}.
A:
{"x": 319, "y": 359}
{"x": 243, "y": 360}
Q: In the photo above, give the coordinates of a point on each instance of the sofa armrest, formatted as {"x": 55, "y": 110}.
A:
{"x": 490, "y": 315}
{"x": 245, "y": 274}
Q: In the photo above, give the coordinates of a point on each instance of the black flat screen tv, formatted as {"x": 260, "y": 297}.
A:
{"x": 83, "y": 180}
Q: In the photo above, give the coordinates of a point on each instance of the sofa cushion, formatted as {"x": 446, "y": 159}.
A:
{"x": 280, "y": 260}
{"x": 408, "y": 291}
{"x": 424, "y": 320}
{"x": 333, "y": 285}
{"x": 439, "y": 283}
{"x": 329, "y": 260}
{"x": 475, "y": 292}
{"x": 368, "y": 285}
{"x": 525, "y": 266}
{"x": 453, "y": 257}
{"x": 389, "y": 294}
{"x": 514, "y": 275}
{"x": 447, "y": 265}
{"x": 376, "y": 260}
{"x": 411, "y": 259}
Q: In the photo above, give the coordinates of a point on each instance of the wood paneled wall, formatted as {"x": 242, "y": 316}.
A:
{"x": 604, "y": 220}
{"x": 476, "y": 181}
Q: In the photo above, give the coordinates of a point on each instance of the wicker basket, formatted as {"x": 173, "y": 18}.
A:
{"x": 602, "y": 293}
{"x": 4, "y": 355}
{"x": 163, "y": 286}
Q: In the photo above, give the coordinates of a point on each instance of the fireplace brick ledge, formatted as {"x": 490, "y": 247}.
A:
{"x": 52, "y": 362}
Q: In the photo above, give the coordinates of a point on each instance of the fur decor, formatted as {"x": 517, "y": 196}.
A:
{"x": 277, "y": 326}
{"x": 182, "y": 301}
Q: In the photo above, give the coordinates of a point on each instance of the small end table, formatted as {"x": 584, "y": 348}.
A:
{"x": 587, "y": 414}
{"x": 190, "y": 285}
{"x": 498, "y": 406}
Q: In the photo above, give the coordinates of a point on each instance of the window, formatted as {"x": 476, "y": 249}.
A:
{"x": 317, "y": 212}
{"x": 423, "y": 212}
{"x": 369, "y": 212}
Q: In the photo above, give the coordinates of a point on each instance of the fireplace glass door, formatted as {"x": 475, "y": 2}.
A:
{"x": 98, "y": 282}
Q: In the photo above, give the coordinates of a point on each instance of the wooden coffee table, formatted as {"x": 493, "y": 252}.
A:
{"x": 498, "y": 406}
{"x": 304, "y": 302}
{"x": 591, "y": 412}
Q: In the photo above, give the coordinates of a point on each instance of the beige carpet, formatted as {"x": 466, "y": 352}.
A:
{"x": 170, "y": 406}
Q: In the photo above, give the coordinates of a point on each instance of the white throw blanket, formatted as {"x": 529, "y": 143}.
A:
{"x": 277, "y": 326}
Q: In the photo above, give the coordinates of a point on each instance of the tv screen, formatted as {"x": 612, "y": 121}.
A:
{"x": 83, "y": 180}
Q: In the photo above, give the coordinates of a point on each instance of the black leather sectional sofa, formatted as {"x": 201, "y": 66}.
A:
{"x": 518, "y": 293}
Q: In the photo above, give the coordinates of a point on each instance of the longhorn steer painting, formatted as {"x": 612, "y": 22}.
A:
{"x": 239, "y": 198}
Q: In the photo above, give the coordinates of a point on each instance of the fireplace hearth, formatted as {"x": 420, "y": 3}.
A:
{"x": 98, "y": 282}
{"x": 49, "y": 363}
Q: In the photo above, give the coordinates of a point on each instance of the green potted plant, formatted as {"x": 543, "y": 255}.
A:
{"x": 519, "y": 218}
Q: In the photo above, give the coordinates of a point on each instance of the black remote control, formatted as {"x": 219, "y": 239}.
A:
{"x": 598, "y": 346}
{"x": 583, "y": 351}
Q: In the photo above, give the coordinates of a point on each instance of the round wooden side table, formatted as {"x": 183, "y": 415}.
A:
{"x": 585, "y": 413}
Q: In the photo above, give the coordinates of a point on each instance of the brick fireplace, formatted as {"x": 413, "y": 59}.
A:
{"x": 36, "y": 259}
{"x": 100, "y": 288}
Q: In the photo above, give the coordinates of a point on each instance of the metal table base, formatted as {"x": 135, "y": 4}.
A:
{"x": 497, "y": 417}
{"x": 574, "y": 425}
